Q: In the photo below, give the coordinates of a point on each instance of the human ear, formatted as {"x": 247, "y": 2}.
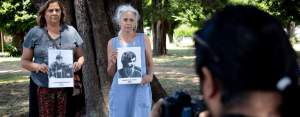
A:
{"x": 209, "y": 85}
{"x": 119, "y": 24}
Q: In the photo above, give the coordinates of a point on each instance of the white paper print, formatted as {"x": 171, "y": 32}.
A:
{"x": 60, "y": 64}
{"x": 129, "y": 65}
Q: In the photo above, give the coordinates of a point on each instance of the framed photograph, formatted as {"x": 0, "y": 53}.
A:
{"x": 60, "y": 64}
{"x": 129, "y": 65}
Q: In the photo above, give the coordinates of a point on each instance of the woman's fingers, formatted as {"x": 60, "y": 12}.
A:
{"x": 43, "y": 68}
{"x": 146, "y": 79}
{"x": 76, "y": 66}
{"x": 113, "y": 58}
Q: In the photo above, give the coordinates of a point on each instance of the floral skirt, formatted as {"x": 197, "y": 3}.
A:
{"x": 52, "y": 101}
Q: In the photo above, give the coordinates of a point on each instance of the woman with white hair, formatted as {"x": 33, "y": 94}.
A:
{"x": 130, "y": 100}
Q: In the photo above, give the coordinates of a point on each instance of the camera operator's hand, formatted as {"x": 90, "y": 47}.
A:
{"x": 156, "y": 108}
{"x": 204, "y": 114}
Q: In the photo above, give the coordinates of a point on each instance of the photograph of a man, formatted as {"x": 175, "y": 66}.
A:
{"x": 59, "y": 69}
{"x": 129, "y": 69}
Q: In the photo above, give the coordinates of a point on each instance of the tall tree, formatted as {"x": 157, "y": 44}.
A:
{"x": 17, "y": 17}
{"x": 286, "y": 11}
{"x": 165, "y": 15}
{"x": 93, "y": 22}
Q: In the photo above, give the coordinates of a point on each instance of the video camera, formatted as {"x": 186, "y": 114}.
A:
{"x": 180, "y": 104}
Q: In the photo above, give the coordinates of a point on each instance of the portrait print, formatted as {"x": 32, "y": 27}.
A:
{"x": 129, "y": 64}
{"x": 60, "y": 66}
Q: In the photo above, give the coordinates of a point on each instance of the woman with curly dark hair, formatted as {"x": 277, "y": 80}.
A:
{"x": 246, "y": 64}
{"x": 51, "y": 17}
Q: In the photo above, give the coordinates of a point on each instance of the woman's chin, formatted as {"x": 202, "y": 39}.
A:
{"x": 128, "y": 30}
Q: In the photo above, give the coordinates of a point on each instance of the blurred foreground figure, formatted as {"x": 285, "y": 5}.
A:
{"x": 246, "y": 65}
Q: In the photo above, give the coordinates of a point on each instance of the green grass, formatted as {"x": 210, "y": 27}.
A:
{"x": 175, "y": 58}
{"x": 10, "y": 62}
{"x": 14, "y": 102}
{"x": 173, "y": 84}
{"x": 181, "y": 52}
{"x": 13, "y": 79}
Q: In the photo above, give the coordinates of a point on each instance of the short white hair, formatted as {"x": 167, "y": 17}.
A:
{"x": 123, "y": 9}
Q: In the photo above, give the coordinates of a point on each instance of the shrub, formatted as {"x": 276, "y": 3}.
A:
{"x": 185, "y": 30}
{"x": 11, "y": 49}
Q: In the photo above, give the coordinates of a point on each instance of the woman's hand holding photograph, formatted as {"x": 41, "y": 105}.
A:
{"x": 43, "y": 68}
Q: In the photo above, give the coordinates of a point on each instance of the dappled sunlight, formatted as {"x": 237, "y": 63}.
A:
{"x": 13, "y": 71}
{"x": 25, "y": 103}
{"x": 19, "y": 81}
{"x": 188, "y": 57}
{"x": 9, "y": 59}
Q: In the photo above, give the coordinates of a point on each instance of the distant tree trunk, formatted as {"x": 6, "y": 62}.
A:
{"x": 170, "y": 32}
{"x": 93, "y": 20}
{"x": 2, "y": 38}
{"x": 160, "y": 31}
{"x": 18, "y": 39}
{"x": 291, "y": 29}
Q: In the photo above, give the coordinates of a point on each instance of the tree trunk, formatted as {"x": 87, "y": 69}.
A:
{"x": 18, "y": 39}
{"x": 160, "y": 29}
{"x": 156, "y": 89}
{"x": 2, "y": 48}
{"x": 291, "y": 31}
{"x": 93, "y": 21}
{"x": 170, "y": 37}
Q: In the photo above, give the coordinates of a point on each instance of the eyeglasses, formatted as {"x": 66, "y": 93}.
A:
{"x": 200, "y": 41}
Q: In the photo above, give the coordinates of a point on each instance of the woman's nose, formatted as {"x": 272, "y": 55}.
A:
{"x": 54, "y": 12}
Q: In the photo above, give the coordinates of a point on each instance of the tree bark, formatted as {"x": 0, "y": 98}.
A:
{"x": 93, "y": 21}
{"x": 90, "y": 78}
{"x": 156, "y": 89}
{"x": 2, "y": 48}
{"x": 291, "y": 31}
{"x": 159, "y": 37}
{"x": 19, "y": 39}
{"x": 159, "y": 31}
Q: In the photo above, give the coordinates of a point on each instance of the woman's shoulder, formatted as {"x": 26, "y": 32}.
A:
{"x": 68, "y": 27}
{"x": 35, "y": 31}
{"x": 144, "y": 36}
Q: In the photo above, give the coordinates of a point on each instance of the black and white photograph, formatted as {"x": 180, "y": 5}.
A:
{"x": 129, "y": 65}
{"x": 60, "y": 63}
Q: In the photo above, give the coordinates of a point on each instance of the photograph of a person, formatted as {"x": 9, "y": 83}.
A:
{"x": 129, "y": 70}
{"x": 129, "y": 65}
{"x": 60, "y": 64}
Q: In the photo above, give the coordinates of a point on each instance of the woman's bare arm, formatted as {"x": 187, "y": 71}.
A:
{"x": 111, "y": 59}
{"x": 79, "y": 59}
{"x": 26, "y": 62}
{"x": 149, "y": 60}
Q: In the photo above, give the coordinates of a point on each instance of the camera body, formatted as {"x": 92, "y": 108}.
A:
{"x": 180, "y": 104}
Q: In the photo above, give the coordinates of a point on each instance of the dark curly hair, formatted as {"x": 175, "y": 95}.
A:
{"x": 247, "y": 50}
{"x": 126, "y": 57}
{"x": 41, "y": 19}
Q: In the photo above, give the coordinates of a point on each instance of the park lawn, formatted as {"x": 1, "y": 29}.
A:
{"x": 14, "y": 90}
{"x": 176, "y": 58}
{"x": 14, "y": 95}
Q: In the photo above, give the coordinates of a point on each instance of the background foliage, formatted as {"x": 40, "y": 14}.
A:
{"x": 17, "y": 17}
